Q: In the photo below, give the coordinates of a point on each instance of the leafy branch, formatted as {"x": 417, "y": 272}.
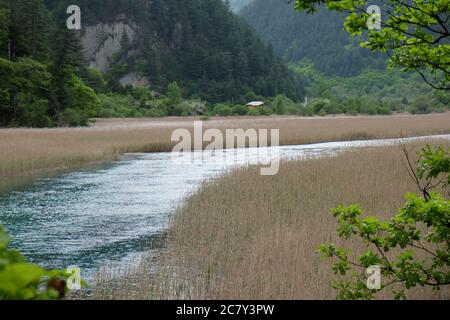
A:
{"x": 21, "y": 280}
{"x": 414, "y": 33}
{"x": 411, "y": 249}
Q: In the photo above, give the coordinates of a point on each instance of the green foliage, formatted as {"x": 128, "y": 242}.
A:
{"x": 27, "y": 28}
{"x": 254, "y": 112}
{"x": 415, "y": 33}
{"x": 434, "y": 163}
{"x": 21, "y": 280}
{"x": 73, "y": 118}
{"x": 279, "y": 105}
{"x": 117, "y": 106}
{"x": 24, "y": 84}
{"x": 41, "y": 81}
{"x": 80, "y": 97}
{"x": 422, "y": 226}
{"x": 319, "y": 38}
{"x": 222, "y": 110}
{"x": 265, "y": 111}
{"x": 421, "y": 105}
{"x": 94, "y": 79}
{"x": 372, "y": 92}
{"x": 174, "y": 94}
{"x": 199, "y": 43}
{"x": 4, "y": 23}
{"x": 33, "y": 111}
{"x": 239, "y": 110}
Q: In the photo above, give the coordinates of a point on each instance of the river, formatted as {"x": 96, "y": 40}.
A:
{"x": 112, "y": 214}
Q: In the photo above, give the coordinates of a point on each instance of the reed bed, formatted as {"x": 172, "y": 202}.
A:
{"x": 26, "y": 153}
{"x": 245, "y": 236}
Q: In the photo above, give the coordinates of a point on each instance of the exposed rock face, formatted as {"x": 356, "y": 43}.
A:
{"x": 103, "y": 40}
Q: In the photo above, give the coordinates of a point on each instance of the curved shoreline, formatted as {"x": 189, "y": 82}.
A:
{"x": 27, "y": 154}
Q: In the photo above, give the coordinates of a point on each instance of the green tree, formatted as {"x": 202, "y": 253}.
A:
{"x": 23, "y": 81}
{"x": 28, "y": 30}
{"x": 174, "y": 93}
{"x": 4, "y": 25}
{"x": 82, "y": 102}
{"x": 279, "y": 105}
{"x": 415, "y": 33}
{"x": 67, "y": 58}
{"x": 413, "y": 248}
{"x": 421, "y": 105}
{"x": 222, "y": 110}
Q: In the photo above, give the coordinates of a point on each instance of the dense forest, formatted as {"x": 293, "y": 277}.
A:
{"x": 191, "y": 58}
{"x": 40, "y": 69}
{"x": 211, "y": 53}
{"x": 320, "y": 38}
{"x": 342, "y": 77}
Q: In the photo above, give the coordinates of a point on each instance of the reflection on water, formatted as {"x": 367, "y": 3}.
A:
{"x": 94, "y": 217}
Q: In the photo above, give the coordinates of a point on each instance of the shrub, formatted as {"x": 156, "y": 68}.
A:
{"x": 306, "y": 111}
{"x": 254, "y": 112}
{"x": 82, "y": 98}
{"x": 319, "y": 104}
{"x": 264, "y": 111}
{"x": 240, "y": 110}
{"x": 222, "y": 110}
{"x": 21, "y": 280}
{"x": 279, "y": 105}
{"x": 383, "y": 110}
{"x": 421, "y": 105}
{"x": 33, "y": 112}
{"x": 73, "y": 118}
{"x": 174, "y": 93}
{"x": 94, "y": 79}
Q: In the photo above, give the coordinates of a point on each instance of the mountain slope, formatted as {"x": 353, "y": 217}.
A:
{"x": 319, "y": 38}
{"x": 211, "y": 52}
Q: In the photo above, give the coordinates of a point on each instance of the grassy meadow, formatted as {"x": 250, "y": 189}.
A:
{"x": 245, "y": 236}
{"x": 25, "y": 153}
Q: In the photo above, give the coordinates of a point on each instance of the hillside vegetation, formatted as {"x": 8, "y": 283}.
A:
{"x": 342, "y": 76}
{"x": 320, "y": 38}
{"x": 211, "y": 53}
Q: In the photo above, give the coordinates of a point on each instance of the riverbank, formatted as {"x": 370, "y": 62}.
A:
{"x": 27, "y": 153}
{"x": 244, "y": 236}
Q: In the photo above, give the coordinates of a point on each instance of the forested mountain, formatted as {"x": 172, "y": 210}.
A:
{"x": 198, "y": 43}
{"x": 40, "y": 69}
{"x": 319, "y": 38}
{"x": 211, "y": 53}
{"x": 342, "y": 76}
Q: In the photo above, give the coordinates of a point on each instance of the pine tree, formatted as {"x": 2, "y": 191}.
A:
{"x": 28, "y": 29}
{"x": 67, "y": 58}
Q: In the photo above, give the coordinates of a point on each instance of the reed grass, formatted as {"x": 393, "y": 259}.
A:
{"x": 26, "y": 153}
{"x": 246, "y": 236}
